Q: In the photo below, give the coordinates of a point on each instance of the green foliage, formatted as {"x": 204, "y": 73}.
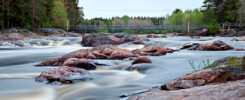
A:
{"x": 213, "y": 29}
{"x": 162, "y": 32}
{"x": 129, "y": 31}
{"x": 60, "y": 16}
{"x": 27, "y": 25}
{"x": 40, "y": 33}
{"x": 196, "y": 17}
{"x": 104, "y": 31}
{"x": 125, "y": 19}
{"x": 204, "y": 65}
{"x": 177, "y": 19}
{"x": 19, "y": 13}
{"x": 211, "y": 22}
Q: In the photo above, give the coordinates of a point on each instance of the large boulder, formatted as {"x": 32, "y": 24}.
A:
{"x": 80, "y": 63}
{"x": 63, "y": 74}
{"x": 153, "y": 49}
{"x": 230, "y": 70}
{"x": 214, "y": 46}
{"x": 97, "y": 39}
{"x": 142, "y": 59}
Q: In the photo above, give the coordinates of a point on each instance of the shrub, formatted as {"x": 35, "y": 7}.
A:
{"x": 213, "y": 29}
{"x": 104, "y": 31}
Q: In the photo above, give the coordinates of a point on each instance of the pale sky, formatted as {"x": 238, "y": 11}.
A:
{"x": 151, "y": 8}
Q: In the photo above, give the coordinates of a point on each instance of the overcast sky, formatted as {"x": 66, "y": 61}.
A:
{"x": 152, "y": 8}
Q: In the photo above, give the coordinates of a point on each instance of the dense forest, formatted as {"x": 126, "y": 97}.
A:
{"x": 214, "y": 14}
{"x": 39, "y": 13}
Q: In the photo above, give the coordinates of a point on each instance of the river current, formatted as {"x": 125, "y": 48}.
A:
{"x": 17, "y": 70}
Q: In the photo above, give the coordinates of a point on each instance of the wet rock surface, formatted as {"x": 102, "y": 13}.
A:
{"x": 63, "y": 74}
{"x": 214, "y": 46}
{"x": 142, "y": 59}
{"x": 225, "y": 80}
{"x": 217, "y": 45}
{"x": 97, "y": 39}
{"x": 222, "y": 91}
{"x": 153, "y": 36}
{"x": 153, "y": 49}
{"x": 99, "y": 52}
{"x": 80, "y": 63}
{"x": 228, "y": 71}
{"x": 51, "y": 62}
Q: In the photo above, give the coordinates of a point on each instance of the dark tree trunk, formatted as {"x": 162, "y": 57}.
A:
{"x": 3, "y": 16}
{"x": 33, "y": 14}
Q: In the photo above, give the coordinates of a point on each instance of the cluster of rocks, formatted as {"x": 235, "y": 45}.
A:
{"x": 96, "y": 39}
{"x": 82, "y": 59}
{"x": 214, "y": 46}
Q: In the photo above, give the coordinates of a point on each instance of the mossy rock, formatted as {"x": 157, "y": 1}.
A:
{"x": 233, "y": 61}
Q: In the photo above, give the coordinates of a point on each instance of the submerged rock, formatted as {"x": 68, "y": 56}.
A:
{"x": 80, "y": 63}
{"x": 63, "y": 74}
{"x": 142, "y": 59}
{"x": 230, "y": 71}
{"x": 97, "y": 39}
{"x": 222, "y": 91}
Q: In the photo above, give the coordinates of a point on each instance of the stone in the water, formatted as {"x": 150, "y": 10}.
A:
{"x": 63, "y": 74}
{"x": 80, "y": 63}
{"x": 97, "y": 39}
{"x": 214, "y": 46}
{"x": 153, "y": 36}
{"x": 230, "y": 71}
{"x": 153, "y": 49}
{"x": 142, "y": 59}
{"x": 121, "y": 54}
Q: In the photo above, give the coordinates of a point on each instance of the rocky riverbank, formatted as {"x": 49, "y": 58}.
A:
{"x": 219, "y": 81}
{"x": 22, "y": 33}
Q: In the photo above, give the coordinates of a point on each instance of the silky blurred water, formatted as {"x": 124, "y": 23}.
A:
{"x": 17, "y": 70}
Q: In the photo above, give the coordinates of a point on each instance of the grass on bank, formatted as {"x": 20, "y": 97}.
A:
{"x": 205, "y": 64}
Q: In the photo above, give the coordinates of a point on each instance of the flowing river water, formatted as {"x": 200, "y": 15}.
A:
{"x": 17, "y": 70}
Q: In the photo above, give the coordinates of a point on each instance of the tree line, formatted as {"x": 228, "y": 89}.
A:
{"x": 56, "y": 13}
{"x": 213, "y": 14}
{"x": 39, "y": 13}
